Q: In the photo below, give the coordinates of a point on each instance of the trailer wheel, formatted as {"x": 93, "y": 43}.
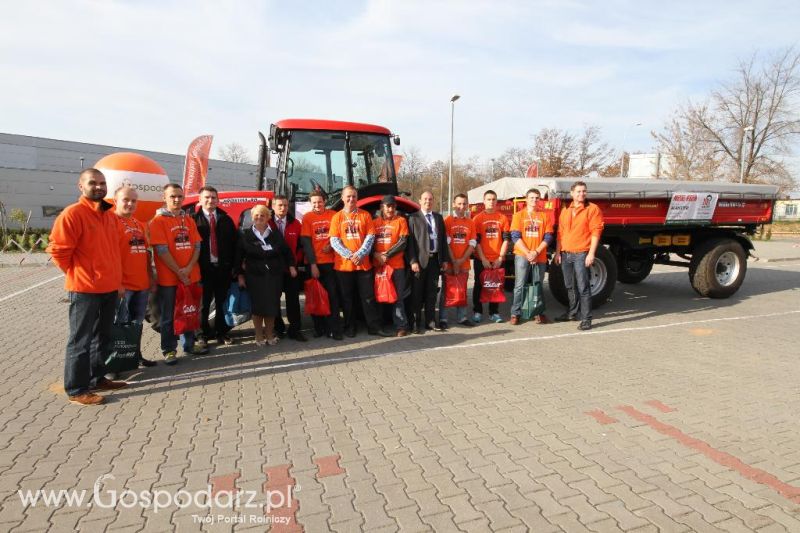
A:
{"x": 718, "y": 268}
{"x": 634, "y": 266}
{"x": 603, "y": 278}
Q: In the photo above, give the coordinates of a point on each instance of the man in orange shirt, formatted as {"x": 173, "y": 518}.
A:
{"x": 137, "y": 279}
{"x": 391, "y": 238}
{"x": 174, "y": 236}
{"x": 352, "y": 236}
{"x": 579, "y": 228}
{"x": 84, "y": 244}
{"x": 316, "y": 242}
{"x": 461, "y": 240}
{"x": 531, "y": 233}
{"x": 494, "y": 234}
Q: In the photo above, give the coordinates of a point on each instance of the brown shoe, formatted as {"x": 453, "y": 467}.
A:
{"x": 87, "y": 398}
{"x": 542, "y": 319}
{"x": 107, "y": 384}
{"x": 402, "y": 332}
{"x": 514, "y": 320}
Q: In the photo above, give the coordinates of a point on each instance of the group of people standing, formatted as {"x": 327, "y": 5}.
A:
{"x": 106, "y": 254}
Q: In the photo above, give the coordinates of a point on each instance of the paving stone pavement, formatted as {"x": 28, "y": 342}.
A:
{"x": 676, "y": 413}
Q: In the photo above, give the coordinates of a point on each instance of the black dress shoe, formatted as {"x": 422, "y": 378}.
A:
{"x": 318, "y": 334}
{"x": 585, "y": 325}
{"x": 566, "y": 317}
{"x": 350, "y": 332}
{"x": 146, "y": 362}
{"x": 381, "y": 333}
{"x": 418, "y": 330}
{"x": 280, "y": 334}
{"x": 442, "y": 326}
{"x": 337, "y": 336}
{"x": 298, "y": 336}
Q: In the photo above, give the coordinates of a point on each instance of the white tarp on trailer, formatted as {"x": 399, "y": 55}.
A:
{"x": 507, "y": 188}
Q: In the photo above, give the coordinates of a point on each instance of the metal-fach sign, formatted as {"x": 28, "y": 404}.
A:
{"x": 692, "y": 208}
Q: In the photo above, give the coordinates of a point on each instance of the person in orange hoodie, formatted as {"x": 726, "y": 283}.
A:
{"x": 84, "y": 245}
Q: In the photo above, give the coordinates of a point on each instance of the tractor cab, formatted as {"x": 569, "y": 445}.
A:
{"x": 326, "y": 155}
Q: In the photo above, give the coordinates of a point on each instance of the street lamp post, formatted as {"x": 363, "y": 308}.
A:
{"x": 622, "y": 157}
{"x": 450, "y": 174}
{"x": 741, "y": 152}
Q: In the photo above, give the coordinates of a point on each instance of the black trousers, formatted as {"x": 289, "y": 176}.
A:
{"x": 477, "y": 306}
{"x": 331, "y": 323}
{"x": 423, "y": 293}
{"x": 89, "y": 343}
{"x": 216, "y": 282}
{"x": 359, "y": 284}
{"x": 291, "y": 290}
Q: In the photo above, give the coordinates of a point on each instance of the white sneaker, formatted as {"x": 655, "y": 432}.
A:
{"x": 477, "y": 317}
{"x": 496, "y": 318}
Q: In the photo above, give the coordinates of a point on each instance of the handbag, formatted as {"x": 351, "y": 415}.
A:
{"x": 126, "y": 343}
{"x": 237, "y": 306}
{"x": 455, "y": 289}
{"x": 385, "y": 292}
{"x": 187, "y": 308}
{"x": 492, "y": 282}
{"x": 533, "y": 298}
{"x": 317, "y": 303}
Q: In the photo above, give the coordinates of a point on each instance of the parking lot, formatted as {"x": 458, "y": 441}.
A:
{"x": 675, "y": 413}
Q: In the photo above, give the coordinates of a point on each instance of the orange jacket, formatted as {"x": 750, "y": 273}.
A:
{"x": 577, "y": 226}
{"x": 84, "y": 244}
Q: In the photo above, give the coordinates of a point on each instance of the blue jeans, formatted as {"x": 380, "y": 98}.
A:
{"x": 132, "y": 307}
{"x": 399, "y": 307}
{"x": 522, "y": 270}
{"x": 576, "y": 279}
{"x": 89, "y": 342}
{"x": 169, "y": 341}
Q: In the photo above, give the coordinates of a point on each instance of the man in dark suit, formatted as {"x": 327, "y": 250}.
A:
{"x": 290, "y": 228}
{"x": 216, "y": 264}
{"x": 428, "y": 255}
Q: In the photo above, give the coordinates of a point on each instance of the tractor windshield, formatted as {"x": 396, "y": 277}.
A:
{"x": 321, "y": 159}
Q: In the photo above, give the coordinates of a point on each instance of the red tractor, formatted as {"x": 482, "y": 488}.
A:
{"x": 328, "y": 155}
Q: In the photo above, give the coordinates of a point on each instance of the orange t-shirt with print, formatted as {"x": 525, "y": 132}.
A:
{"x": 490, "y": 228}
{"x": 133, "y": 244}
{"x": 180, "y": 236}
{"x": 352, "y": 229}
{"x": 532, "y": 227}
{"x": 387, "y": 233}
{"x": 459, "y": 232}
{"x": 317, "y": 227}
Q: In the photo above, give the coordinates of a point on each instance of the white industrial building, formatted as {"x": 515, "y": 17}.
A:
{"x": 40, "y": 175}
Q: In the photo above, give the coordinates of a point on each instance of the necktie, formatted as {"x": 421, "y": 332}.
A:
{"x": 280, "y": 225}
{"x": 431, "y": 242}
{"x": 213, "y": 235}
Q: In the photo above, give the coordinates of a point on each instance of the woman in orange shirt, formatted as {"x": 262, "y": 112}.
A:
{"x": 391, "y": 237}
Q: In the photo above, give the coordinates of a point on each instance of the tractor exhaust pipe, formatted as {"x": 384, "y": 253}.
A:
{"x": 262, "y": 162}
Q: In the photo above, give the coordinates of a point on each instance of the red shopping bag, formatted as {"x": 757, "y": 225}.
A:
{"x": 317, "y": 302}
{"x": 455, "y": 289}
{"x": 492, "y": 281}
{"x": 385, "y": 292}
{"x": 187, "y": 308}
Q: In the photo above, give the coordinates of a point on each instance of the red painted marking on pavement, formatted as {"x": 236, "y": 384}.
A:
{"x": 601, "y": 417}
{"x": 660, "y": 406}
{"x": 225, "y": 483}
{"x": 280, "y": 492}
{"x": 789, "y": 492}
{"x": 328, "y": 466}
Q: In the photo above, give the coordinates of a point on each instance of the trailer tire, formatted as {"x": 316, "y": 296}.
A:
{"x": 718, "y": 268}
{"x": 634, "y": 266}
{"x": 603, "y": 279}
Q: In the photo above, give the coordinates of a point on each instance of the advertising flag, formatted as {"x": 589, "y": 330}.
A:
{"x": 533, "y": 171}
{"x": 196, "y": 168}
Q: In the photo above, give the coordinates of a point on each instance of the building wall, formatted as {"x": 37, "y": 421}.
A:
{"x": 40, "y": 175}
{"x": 648, "y": 165}
{"x": 787, "y": 210}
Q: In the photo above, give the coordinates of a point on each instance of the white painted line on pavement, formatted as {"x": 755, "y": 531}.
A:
{"x": 322, "y": 361}
{"x": 4, "y": 298}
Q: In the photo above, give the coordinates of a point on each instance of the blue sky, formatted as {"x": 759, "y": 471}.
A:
{"x": 154, "y": 75}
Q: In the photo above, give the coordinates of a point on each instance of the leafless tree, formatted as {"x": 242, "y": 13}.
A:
{"x": 591, "y": 152}
{"x": 763, "y": 95}
{"x": 691, "y": 156}
{"x": 513, "y": 162}
{"x": 555, "y": 151}
{"x": 411, "y": 170}
{"x": 235, "y": 153}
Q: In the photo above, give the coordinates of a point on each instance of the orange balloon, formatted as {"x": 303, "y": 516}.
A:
{"x": 139, "y": 172}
